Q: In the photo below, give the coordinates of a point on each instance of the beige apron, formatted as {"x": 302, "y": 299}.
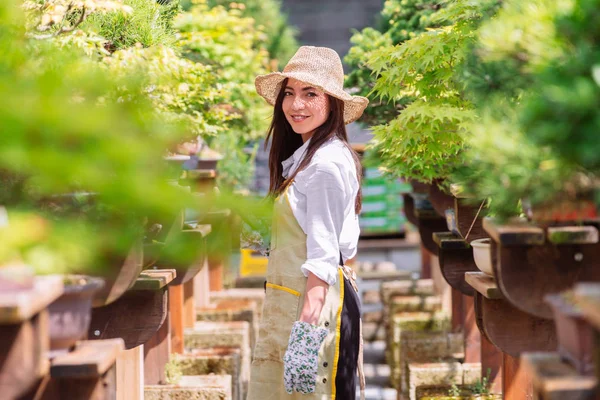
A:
{"x": 283, "y": 303}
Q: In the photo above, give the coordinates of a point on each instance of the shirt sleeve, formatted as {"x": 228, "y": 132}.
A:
{"x": 325, "y": 204}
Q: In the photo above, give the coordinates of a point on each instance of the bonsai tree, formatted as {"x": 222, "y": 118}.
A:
{"x": 425, "y": 141}
{"x": 399, "y": 21}
{"x": 528, "y": 73}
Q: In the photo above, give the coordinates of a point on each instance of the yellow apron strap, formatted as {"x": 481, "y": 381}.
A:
{"x": 361, "y": 372}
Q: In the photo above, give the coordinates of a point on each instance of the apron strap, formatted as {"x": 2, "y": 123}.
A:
{"x": 351, "y": 276}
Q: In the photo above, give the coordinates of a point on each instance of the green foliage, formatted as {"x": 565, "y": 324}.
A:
{"x": 280, "y": 35}
{"x": 522, "y": 146}
{"x": 454, "y": 390}
{"x": 88, "y": 121}
{"x": 426, "y": 141}
{"x": 401, "y": 20}
{"x": 405, "y": 19}
{"x": 149, "y": 24}
{"x": 227, "y": 42}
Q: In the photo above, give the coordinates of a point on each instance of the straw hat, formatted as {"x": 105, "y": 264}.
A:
{"x": 320, "y": 67}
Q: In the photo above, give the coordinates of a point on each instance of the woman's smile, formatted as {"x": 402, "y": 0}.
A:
{"x": 305, "y": 107}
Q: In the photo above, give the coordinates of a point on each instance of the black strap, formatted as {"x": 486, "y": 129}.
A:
{"x": 341, "y": 260}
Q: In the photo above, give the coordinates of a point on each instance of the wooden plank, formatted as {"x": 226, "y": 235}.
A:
{"x": 425, "y": 263}
{"x": 130, "y": 374}
{"x": 484, "y": 284}
{"x": 176, "y": 317}
{"x": 573, "y": 235}
{"x": 21, "y": 305}
{"x": 23, "y": 355}
{"x": 554, "y": 379}
{"x": 469, "y": 219}
{"x": 90, "y": 359}
{"x": 587, "y": 296}
{"x": 153, "y": 279}
{"x": 514, "y": 233}
{"x": 450, "y": 241}
{"x": 397, "y": 243}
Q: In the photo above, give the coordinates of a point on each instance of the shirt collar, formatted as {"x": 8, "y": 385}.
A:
{"x": 292, "y": 162}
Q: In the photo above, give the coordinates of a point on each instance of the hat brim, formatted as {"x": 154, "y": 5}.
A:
{"x": 269, "y": 86}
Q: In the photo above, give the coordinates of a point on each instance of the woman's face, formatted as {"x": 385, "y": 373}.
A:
{"x": 305, "y": 107}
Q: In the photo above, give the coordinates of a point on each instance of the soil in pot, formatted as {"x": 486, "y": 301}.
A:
{"x": 70, "y": 314}
{"x": 482, "y": 255}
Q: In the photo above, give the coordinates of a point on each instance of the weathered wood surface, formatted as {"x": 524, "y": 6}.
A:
{"x": 86, "y": 373}
{"x": 483, "y": 284}
{"x": 527, "y": 267}
{"x": 176, "y": 316}
{"x": 23, "y": 349}
{"x": 553, "y": 379}
{"x": 517, "y": 382}
{"x": 189, "y": 304}
{"x": 89, "y": 359}
{"x": 512, "y": 330}
{"x": 19, "y": 306}
{"x": 515, "y": 233}
{"x": 130, "y": 374}
{"x": 138, "y": 314}
{"x": 491, "y": 362}
{"x": 572, "y": 235}
{"x": 471, "y": 334}
{"x": 156, "y": 355}
{"x": 456, "y": 258}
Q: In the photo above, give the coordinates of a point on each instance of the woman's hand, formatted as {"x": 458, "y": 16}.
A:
{"x": 314, "y": 299}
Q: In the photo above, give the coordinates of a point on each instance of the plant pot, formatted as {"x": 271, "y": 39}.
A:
{"x": 440, "y": 200}
{"x": 70, "y": 314}
{"x": 15, "y": 277}
{"x": 120, "y": 274}
{"x": 575, "y": 336}
{"x": 482, "y": 255}
{"x": 564, "y": 209}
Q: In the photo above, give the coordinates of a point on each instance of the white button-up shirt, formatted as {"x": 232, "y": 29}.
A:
{"x": 322, "y": 198}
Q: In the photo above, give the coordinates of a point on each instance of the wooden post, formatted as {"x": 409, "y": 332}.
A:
{"x": 189, "y": 305}
{"x": 425, "y": 263}
{"x": 215, "y": 267}
{"x": 517, "y": 383}
{"x": 130, "y": 374}
{"x": 176, "y": 316}
{"x": 472, "y": 336}
{"x": 202, "y": 288}
{"x": 156, "y": 355}
{"x": 491, "y": 361}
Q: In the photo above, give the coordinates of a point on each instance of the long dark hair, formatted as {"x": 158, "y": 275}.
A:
{"x": 285, "y": 142}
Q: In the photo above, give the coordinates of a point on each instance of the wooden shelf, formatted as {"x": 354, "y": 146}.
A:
{"x": 19, "y": 306}
{"x": 514, "y": 233}
{"x": 90, "y": 359}
{"x": 154, "y": 279}
{"x": 554, "y": 379}
{"x": 484, "y": 284}
{"x": 573, "y": 235}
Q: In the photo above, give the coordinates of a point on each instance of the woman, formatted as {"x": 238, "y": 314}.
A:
{"x": 309, "y": 339}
